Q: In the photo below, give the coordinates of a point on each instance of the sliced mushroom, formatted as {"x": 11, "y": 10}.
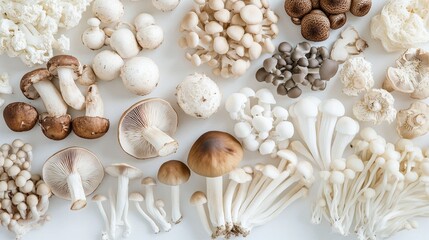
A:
{"x": 349, "y": 44}
{"x": 145, "y": 129}
{"x": 414, "y": 121}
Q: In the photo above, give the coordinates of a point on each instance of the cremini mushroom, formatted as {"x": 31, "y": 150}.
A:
{"x": 174, "y": 173}
{"x": 20, "y": 116}
{"x": 145, "y": 129}
{"x": 93, "y": 37}
{"x": 55, "y": 123}
{"x": 93, "y": 124}
{"x": 213, "y": 155}
{"x": 356, "y": 76}
{"x": 315, "y": 27}
{"x": 108, "y": 11}
{"x": 414, "y": 121}
{"x": 198, "y": 96}
{"x": 73, "y": 173}
{"x": 107, "y": 65}
{"x": 349, "y": 44}
{"x": 165, "y": 5}
{"x": 376, "y": 106}
{"x": 67, "y": 68}
{"x": 140, "y": 75}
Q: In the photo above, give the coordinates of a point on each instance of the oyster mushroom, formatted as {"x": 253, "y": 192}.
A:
{"x": 356, "y": 76}
{"x": 414, "y": 121}
{"x": 145, "y": 129}
{"x": 72, "y": 174}
{"x": 376, "y": 106}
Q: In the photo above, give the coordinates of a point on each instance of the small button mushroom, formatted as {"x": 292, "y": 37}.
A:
{"x": 220, "y": 45}
{"x": 93, "y": 37}
{"x": 251, "y": 14}
{"x": 20, "y": 116}
{"x": 143, "y": 20}
{"x": 107, "y": 65}
{"x": 93, "y": 124}
{"x": 165, "y": 5}
{"x": 124, "y": 42}
{"x": 174, "y": 173}
{"x": 150, "y": 37}
{"x": 108, "y": 11}
{"x": 140, "y": 75}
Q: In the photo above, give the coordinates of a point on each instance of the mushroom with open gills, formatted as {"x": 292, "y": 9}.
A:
{"x": 93, "y": 124}
{"x": 213, "y": 155}
{"x": 20, "y": 116}
{"x": 145, "y": 129}
{"x": 174, "y": 173}
{"x": 55, "y": 122}
{"x": 68, "y": 69}
{"x": 73, "y": 173}
{"x": 124, "y": 173}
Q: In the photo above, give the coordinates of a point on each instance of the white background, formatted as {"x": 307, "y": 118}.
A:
{"x": 86, "y": 224}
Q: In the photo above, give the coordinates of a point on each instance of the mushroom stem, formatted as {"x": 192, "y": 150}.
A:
{"x": 121, "y": 197}
{"x": 204, "y": 219}
{"x": 152, "y": 224}
{"x": 150, "y": 207}
{"x": 229, "y": 195}
{"x": 112, "y": 215}
{"x": 215, "y": 203}
{"x": 52, "y": 99}
{"x": 239, "y": 199}
{"x": 162, "y": 142}
{"x": 176, "y": 215}
{"x": 104, "y": 216}
{"x": 70, "y": 92}
{"x": 126, "y": 233}
{"x": 94, "y": 103}
{"x": 78, "y": 198}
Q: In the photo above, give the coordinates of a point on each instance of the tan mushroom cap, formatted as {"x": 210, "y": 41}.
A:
{"x": 123, "y": 169}
{"x": 315, "y": 27}
{"x": 414, "y": 121}
{"x": 360, "y": 8}
{"x": 99, "y": 198}
{"x": 215, "y": 154}
{"x": 27, "y": 81}
{"x": 152, "y": 111}
{"x": 20, "y": 116}
{"x": 337, "y": 20}
{"x": 335, "y": 6}
{"x": 66, "y": 61}
{"x": 74, "y": 159}
{"x": 136, "y": 197}
{"x": 198, "y": 198}
{"x": 90, "y": 127}
{"x": 297, "y": 8}
{"x": 55, "y": 128}
{"x": 173, "y": 173}
{"x": 148, "y": 181}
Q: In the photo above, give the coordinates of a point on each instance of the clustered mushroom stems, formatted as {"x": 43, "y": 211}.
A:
{"x": 376, "y": 191}
{"x": 228, "y": 35}
{"x": 24, "y": 197}
{"x": 304, "y": 65}
{"x": 149, "y": 184}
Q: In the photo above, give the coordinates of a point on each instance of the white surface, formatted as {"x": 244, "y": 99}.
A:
{"x": 293, "y": 224}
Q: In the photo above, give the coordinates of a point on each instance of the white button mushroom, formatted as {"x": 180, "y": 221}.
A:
{"x": 165, "y": 5}
{"x": 108, "y": 11}
{"x": 124, "y": 42}
{"x": 107, "y": 65}
{"x": 93, "y": 37}
{"x": 140, "y": 75}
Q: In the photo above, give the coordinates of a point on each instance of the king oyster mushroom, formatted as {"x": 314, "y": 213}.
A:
{"x": 414, "y": 121}
{"x": 376, "y": 106}
{"x": 72, "y": 174}
{"x": 145, "y": 129}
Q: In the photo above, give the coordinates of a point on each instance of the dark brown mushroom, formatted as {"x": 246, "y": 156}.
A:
{"x": 315, "y": 27}
{"x": 297, "y": 8}
{"x": 337, "y": 20}
{"x": 315, "y": 3}
{"x": 360, "y": 8}
{"x": 20, "y": 117}
{"x": 55, "y": 128}
{"x": 26, "y": 84}
{"x": 335, "y": 6}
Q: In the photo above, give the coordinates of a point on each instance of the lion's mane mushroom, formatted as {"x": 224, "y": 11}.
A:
{"x": 356, "y": 76}
{"x": 145, "y": 129}
{"x": 213, "y": 155}
{"x": 410, "y": 74}
{"x": 140, "y": 75}
{"x": 55, "y": 123}
{"x": 20, "y": 116}
{"x": 93, "y": 124}
{"x": 72, "y": 174}
{"x": 315, "y": 27}
{"x": 174, "y": 173}
{"x": 67, "y": 68}
{"x": 165, "y": 5}
{"x": 376, "y": 106}
{"x": 349, "y": 44}
{"x": 414, "y": 121}
{"x": 198, "y": 96}
{"x": 107, "y": 65}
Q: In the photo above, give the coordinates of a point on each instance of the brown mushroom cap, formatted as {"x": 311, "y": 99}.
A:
{"x": 20, "y": 117}
{"x": 29, "y": 78}
{"x": 296, "y": 21}
{"x": 335, "y": 6}
{"x": 337, "y": 20}
{"x": 315, "y": 3}
{"x": 66, "y": 61}
{"x": 297, "y": 8}
{"x": 198, "y": 198}
{"x": 315, "y": 27}
{"x": 123, "y": 169}
{"x": 90, "y": 127}
{"x": 173, "y": 173}
{"x": 360, "y": 8}
{"x": 328, "y": 69}
{"x": 55, "y": 128}
{"x": 215, "y": 154}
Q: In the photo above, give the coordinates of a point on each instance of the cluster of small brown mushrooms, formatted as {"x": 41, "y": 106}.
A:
{"x": 355, "y": 191}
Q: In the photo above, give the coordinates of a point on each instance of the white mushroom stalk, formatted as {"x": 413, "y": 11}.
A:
{"x": 378, "y": 191}
{"x": 99, "y": 199}
{"x": 150, "y": 204}
{"x": 137, "y": 198}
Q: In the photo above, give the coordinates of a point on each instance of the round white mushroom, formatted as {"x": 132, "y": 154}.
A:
{"x": 140, "y": 75}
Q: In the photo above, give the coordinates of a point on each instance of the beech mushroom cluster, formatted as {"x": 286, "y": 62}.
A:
{"x": 377, "y": 191}
{"x": 228, "y": 35}
{"x": 317, "y": 17}
{"x": 254, "y": 195}
{"x": 414, "y": 121}
{"x": 349, "y": 44}
{"x": 24, "y": 197}
{"x": 323, "y": 128}
{"x": 260, "y": 125}
{"x": 410, "y": 75}
{"x": 303, "y": 65}
{"x": 401, "y": 24}
{"x": 56, "y": 123}
{"x": 5, "y": 87}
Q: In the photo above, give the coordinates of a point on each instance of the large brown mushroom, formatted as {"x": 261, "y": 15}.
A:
{"x": 315, "y": 27}
{"x": 297, "y": 8}
{"x": 145, "y": 129}
{"x": 360, "y": 8}
{"x": 335, "y": 6}
{"x": 20, "y": 116}
{"x": 213, "y": 155}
